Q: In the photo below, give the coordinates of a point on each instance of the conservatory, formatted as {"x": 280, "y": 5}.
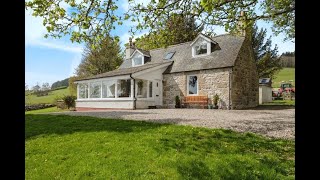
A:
{"x": 139, "y": 89}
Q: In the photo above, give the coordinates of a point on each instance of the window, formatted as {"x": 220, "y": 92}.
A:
{"x": 192, "y": 85}
{"x": 142, "y": 88}
{"x": 150, "y": 88}
{"x": 108, "y": 89}
{"x": 95, "y": 90}
{"x": 124, "y": 88}
{"x": 201, "y": 48}
{"x": 169, "y": 55}
{"x": 137, "y": 59}
{"x": 83, "y": 91}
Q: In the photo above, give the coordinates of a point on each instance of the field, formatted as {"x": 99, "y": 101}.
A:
{"x": 33, "y": 99}
{"x": 285, "y": 74}
{"x": 73, "y": 147}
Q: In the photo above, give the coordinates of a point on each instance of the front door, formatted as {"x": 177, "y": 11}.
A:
{"x": 157, "y": 92}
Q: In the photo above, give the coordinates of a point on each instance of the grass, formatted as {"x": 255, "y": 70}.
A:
{"x": 46, "y": 110}
{"x": 285, "y": 74}
{"x": 281, "y": 102}
{"x": 73, "y": 147}
{"x": 33, "y": 99}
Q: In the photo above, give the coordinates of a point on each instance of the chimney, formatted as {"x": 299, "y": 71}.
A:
{"x": 242, "y": 24}
{"x": 129, "y": 48}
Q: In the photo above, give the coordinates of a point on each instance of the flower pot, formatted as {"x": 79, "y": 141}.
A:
{"x": 210, "y": 106}
{"x": 177, "y": 106}
{"x": 215, "y": 107}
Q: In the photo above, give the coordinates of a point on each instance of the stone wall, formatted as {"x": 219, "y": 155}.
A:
{"x": 210, "y": 82}
{"x": 245, "y": 81}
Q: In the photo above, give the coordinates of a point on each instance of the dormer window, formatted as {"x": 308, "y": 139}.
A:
{"x": 137, "y": 60}
{"x": 140, "y": 57}
{"x": 201, "y": 46}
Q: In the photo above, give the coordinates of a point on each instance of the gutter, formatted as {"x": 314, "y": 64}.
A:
{"x": 134, "y": 92}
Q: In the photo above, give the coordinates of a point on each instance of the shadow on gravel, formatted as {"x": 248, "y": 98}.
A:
{"x": 272, "y": 107}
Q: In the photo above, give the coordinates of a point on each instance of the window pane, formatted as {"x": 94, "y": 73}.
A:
{"x": 95, "y": 90}
{"x": 108, "y": 89}
{"x": 193, "y": 85}
{"x": 137, "y": 59}
{"x": 150, "y": 89}
{"x": 83, "y": 91}
{"x": 124, "y": 88}
{"x": 142, "y": 88}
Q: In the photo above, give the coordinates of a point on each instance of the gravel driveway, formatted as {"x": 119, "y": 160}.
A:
{"x": 279, "y": 123}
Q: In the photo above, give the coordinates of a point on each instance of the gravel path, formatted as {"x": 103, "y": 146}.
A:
{"x": 279, "y": 123}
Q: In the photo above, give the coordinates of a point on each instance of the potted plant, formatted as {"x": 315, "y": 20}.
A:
{"x": 215, "y": 101}
{"x": 177, "y": 102}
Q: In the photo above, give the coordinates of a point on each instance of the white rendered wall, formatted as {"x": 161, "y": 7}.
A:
{"x": 112, "y": 104}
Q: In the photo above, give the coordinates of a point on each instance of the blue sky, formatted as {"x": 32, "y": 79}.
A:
{"x": 50, "y": 60}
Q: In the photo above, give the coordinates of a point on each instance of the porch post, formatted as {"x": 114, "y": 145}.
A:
{"x": 77, "y": 90}
{"x": 89, "y": 90}
{"x": 116, "y": 89}
{"x": 101, "y": 90}
{"x": 148, "y": 88}
{"x": 131, "y": 88}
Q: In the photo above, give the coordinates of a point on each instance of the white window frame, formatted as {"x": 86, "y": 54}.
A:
{"x": 78, "y": 90}
{"x": 116, "y": 98}
{"x": 188, "y": 77}
{"x": 194, "y": 48}
{"x": 132, "y": 61}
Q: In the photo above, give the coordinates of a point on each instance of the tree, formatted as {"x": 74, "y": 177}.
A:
{"x": 291, "y": 54}
{"x": 89, "y": 21}
{"x": 267, "y": 60}
{"x": 36, "y": 88}
{"x": 72, "y": 85}
{"x": 105, "y": 57}
{"x": 61, "y": 83}
{"x": 45, "y": 87}
{"x": 26, "y": 88}
{"x": 178, "y": 29}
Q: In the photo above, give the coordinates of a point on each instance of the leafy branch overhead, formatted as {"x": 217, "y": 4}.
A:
{"x": 92, "y": 20}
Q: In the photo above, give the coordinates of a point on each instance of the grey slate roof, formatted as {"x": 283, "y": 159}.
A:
{"x": 225, "y": 56}
{"x": 144, "y": 52}
{"x": 126, "y": 71}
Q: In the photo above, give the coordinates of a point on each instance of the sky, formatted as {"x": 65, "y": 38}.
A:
{"x": 50, "y": 60}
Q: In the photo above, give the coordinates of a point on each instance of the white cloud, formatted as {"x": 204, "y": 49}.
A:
{"x": 34, "y": 36}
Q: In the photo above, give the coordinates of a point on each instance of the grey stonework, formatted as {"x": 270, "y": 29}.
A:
{"x": 237, "y": 86}
{"x": 210, "y": 82}
{"x": 245, "y": 80}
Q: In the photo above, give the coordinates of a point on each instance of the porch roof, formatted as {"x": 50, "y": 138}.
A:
{"x": 126, "y": 71}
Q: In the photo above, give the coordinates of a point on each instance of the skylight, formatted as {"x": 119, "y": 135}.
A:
{"x": 169, "y": 55}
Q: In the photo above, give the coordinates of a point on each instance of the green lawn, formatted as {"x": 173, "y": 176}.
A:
{"x": 281, "y": 102}
{"x": 285, "y": 74}
{"x": 33, "y": 99}
{"x": 69, "y": 147}
{"x": 46, "y": 110}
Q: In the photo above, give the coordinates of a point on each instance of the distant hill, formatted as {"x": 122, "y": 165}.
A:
{"x": 62, "y": 83}
{"x": 286, "y": 74}
{"x": 50, "y": 99}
